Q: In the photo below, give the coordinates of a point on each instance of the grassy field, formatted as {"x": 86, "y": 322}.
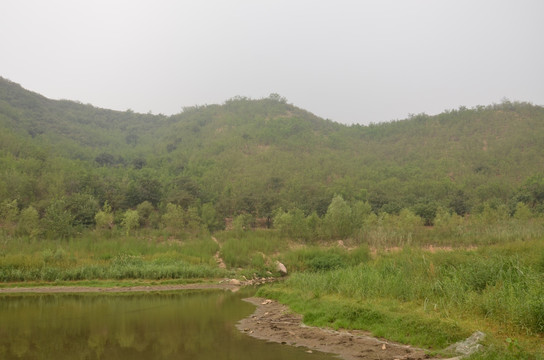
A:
{"x": 92, "y": 258}
{"x": 429, "y": 299}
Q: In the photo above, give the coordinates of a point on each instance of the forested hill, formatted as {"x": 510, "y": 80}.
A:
{"x": 255, "y": 156}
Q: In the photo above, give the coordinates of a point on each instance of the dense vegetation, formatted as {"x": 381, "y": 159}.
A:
{"x": 355, "y": 212}
{"x": 61, "y": 162}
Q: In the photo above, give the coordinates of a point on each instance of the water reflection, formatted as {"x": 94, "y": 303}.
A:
{"x": 177, "y": 325}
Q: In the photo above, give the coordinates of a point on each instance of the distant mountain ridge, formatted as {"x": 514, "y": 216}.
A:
{"x": 255, "y": 156}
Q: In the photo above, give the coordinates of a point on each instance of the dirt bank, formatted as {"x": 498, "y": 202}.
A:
{"x": 89, "y": 289}
{"x": 274, "y": 322}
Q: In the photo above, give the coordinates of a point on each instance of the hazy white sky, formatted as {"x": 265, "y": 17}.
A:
{"x": 350, "y": 61}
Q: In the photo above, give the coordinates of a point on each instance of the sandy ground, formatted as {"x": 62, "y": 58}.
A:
{"x": 274, "y": 322}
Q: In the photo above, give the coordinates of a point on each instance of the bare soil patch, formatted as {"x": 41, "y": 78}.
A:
{"x": 274, "y": 322}
{"x": 217, "y": 255}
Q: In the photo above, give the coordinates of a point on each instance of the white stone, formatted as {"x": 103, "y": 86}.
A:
{"x": 281, "y": 268}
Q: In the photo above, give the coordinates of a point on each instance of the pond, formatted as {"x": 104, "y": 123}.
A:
{"x": 161, "y": 325}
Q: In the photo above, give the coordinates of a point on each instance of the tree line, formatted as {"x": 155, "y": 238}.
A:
{"x": 62, "y": 163}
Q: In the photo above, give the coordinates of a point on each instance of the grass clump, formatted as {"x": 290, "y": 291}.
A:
{"x": 317, "y": 258}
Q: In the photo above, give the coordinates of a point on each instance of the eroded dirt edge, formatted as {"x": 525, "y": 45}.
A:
{"x": 90, "y": 289}
{"x": 274, "y": 322}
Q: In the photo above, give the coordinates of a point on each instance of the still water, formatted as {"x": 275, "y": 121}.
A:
{"x": 174, "y": 325}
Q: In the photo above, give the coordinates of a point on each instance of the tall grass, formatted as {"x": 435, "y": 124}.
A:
{"x": 252, "y": 249}
{"x": 501, "y": 285}
{"x": 92, "y": 258}
{"x": 458, "y": 232}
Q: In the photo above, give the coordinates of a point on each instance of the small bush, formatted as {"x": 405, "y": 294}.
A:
{"x": 535, "y": 314}
{"x": 326, "y": 261}
{"x": 60, "y": 254}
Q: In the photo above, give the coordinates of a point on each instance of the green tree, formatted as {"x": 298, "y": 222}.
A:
{"x": 292, "y": 223}
{"x": 408, "y": 222}
{"x": 523, "y": 212}
{"x": 192, "y": 220}
{"x": 173, "y": 218}
{"x": 338, "y": 219}
{"x": 298, "y": 224}
{"x": 459, "y": 203}
{"x": 104, "y": 218}
{"x": 427, "y": 211}
{"x": 532, "y": 192}
{"x": 105, "y": 159}
{"x": 83, "y": 208}
{"x": 57, "y": 221}
{"x": 446, "y": 221}
{"x": 29, "y": 222}
{"x": 145, "y": 188}
{"x": 9, "y": 211}
{"x": 183, "y": 191}
{"x": 131, "y": 221}
{"x": 242, "y": 223}
{"x": 313, "y": 224}
{"x": 210, "y": 218}
{"x": 492, "y": 214}
{"x": 282, "y": 221}
{"x": 360, "y": 210}
{"x": 145, "y": 211}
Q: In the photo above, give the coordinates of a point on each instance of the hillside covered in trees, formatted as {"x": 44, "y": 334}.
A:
{"x": 63, "y": 163}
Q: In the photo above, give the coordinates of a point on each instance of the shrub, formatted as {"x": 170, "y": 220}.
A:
{"x": 29, "y": 223}
{"x": 104, "y": 218}
{"x": 57, "y": 221}
{"x": 131, "y": 221}
{"x": 326, "y": 261}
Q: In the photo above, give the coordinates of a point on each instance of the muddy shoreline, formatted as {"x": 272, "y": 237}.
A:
{"x": 274, "y": 322}
{"x": 118, "y": 289}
